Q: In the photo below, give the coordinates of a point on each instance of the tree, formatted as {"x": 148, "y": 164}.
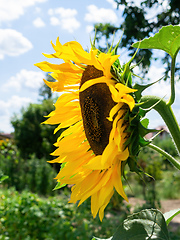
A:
{"x": 137, "y": 25}
{"x": 45, "y": 91}
{"x": 32, "y": 137}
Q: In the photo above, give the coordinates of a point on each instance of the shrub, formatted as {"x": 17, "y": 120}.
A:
{"x": 32, "y": 174}
{"x": 27, "y": 216}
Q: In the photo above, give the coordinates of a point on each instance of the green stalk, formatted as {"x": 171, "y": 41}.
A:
{"x": 175, "y": 162}
{"x": 167, "y": 115}
{"x": 172, "y": 97}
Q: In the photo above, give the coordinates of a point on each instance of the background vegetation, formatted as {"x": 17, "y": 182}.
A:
{"x": 29, "y": 208}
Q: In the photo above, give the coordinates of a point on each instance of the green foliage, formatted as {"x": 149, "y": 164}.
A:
{"x": 151, "y": 163}
{"x": 147, "y": 224}
{"x": 33, "y": 174}
{"x": 32, "y": 137}
{"x": 169, "y": 186}
{"x": 29, "y": 217}
{"x": 137, "y": 25}
{"x": 3, "y": 177}
{"x": 166, "y": 144}
{"x": 167, "y": 39}
{"x": 160, "y": 180}
{"x": 171, "y": 214}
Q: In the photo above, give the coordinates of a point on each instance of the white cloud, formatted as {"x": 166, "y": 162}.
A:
{"x": 16, "y": 102}
{"x": 13, "y": 43}
{"x": 100, "y": 15}
{"x": 113, "y": 3}
{"x": 23, "y": 82}
{"x": 13, "y": 9}
{"x": 13, "y": 105}
{"x": 30, "y": 80}
{"x": 38, "y": 10}
{"x": 63, "y": 12}
{"x": 70, "y": 24}
{"x": 64, "y": 17}
{"x": 55, "y": 21}
{"x": 89, "y": 28}
{"x": 38, "y": 22}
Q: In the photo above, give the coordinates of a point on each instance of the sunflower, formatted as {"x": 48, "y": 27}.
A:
{"x": 93, "y": 108}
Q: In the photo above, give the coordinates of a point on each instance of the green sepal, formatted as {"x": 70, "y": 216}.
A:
{"x": 144, "y": 130}
{"x": 133, "y": 165}
{"x": 134, "y": 143}
{"x": 113, "y": 52}
{"x": 141, "y": 88}
{"x": 143, "y": 142}
{"x": 126, "y": 75}
{"x": 93, "y": 42}
{"x": 59, "y": 185}
{"x": 142, "y": 112}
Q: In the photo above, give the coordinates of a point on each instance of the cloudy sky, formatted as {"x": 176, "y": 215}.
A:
{"x": 26, "y": 29}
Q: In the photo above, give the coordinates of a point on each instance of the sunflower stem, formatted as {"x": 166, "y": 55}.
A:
{"x": 172, "y": 97}
{"x": 167, "y": 115}
{"x": 175, "y": 162}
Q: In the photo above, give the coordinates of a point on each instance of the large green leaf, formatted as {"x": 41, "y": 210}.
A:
{"x": 171, "y": 214}
{"x": 167, "y": 39}
{"x": 147, "y": 224}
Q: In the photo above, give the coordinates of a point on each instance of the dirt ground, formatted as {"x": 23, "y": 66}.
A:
{"x": 166, "y": 206}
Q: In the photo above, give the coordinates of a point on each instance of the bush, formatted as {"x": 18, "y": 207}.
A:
{"x": 33, "y": 174}
{"x": 27, "y": 216}
{"x": 32, "y": 137}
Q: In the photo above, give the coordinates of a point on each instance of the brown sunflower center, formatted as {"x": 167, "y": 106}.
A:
{"x": 96, "y": 103}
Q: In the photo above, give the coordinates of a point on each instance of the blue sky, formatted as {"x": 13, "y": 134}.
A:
{"x": 26, "y": 29}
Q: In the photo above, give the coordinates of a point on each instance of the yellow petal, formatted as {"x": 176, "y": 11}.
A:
{"x": 89, "y": 83}
{"x": 101, "y": 210}
{"x": 94, "y": 204}
{"x": 109, "y": 154}
{"x": 129, "y": 100}
{"x": 95, "y": 163}
{"x": 124, "y": 89}
{"x": 117, "y": 181}
{"x": 114, "y": 110}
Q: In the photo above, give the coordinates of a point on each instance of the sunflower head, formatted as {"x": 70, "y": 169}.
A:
{"x": 97, "y": 106}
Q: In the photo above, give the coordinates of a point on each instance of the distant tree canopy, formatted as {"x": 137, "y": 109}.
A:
{"x": 44, "y": 90}
{"x": 32, "y": 137}
{"x": 137, "y": 25}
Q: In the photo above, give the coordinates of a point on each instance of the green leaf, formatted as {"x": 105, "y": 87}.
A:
{"x": 147, "y": 224}
{"x": 167, "y": 39}
{"x": 3, "y": 178}
{"x": 171, "y": 214}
